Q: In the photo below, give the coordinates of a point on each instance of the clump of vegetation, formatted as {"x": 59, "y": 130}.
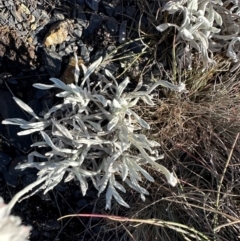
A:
{"x": 93, "y": 134}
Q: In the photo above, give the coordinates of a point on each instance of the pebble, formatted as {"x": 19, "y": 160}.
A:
{"x": 53, "y": 62}
{"x": 93, "y": 4}
{"x": 78, "y": 32}
{"x": 85, "y": 54}
{"x": 122, "y": 32}
{"x": 95, "y": 22}
{"x": 112, "y": 26}
{"x": 109, "y": 8}
{"x": 81, "y": 17}
{"x": 57, "y": 33}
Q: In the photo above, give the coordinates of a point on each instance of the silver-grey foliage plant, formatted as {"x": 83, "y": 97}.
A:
{"x": 93, "y": 134}
{"x": 208, "y": 26}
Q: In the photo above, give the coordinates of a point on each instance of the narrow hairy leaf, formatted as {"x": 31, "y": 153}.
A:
{"x": 25, "y": 107}
{"x": 112, "y": 123}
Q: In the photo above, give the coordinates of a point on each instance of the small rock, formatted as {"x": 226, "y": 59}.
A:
{"x": 53, "y": 62}
{"x": 95, "y": 22}
{"x": 85, "y": 53}
{"x": 112, "y": 26}
{"x": 109, "y": 8}
{"x": 58, "y": 15}
{"x": 122, "y": 32}
{"x": 78, "y": 32}
{"x": 69, "y": 49}
{"x": 81, "y": 17}
{"x": 57, "y": 34}
{"x": 93, "y": 4}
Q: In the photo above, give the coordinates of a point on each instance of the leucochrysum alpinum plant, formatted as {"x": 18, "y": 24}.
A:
{"x": 207, "y": 27}
{"x": 94, "y": 134}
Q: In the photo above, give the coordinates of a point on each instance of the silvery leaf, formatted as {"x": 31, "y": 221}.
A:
{"x": 63, "y": 94}
{"x": 179, "y": 88}
{"x": 119, "y": 199}
{"x": 230, "y": 51}
{"x": 95, "y": 125}
{"x": 25, "y": 107}
{"x": 109, "y": 74}
{"x": 169, "y": 176}
{"x": 202, "y": 38}
{"x": 103, "y": 183}
{"x": 62, "y": 129}
{"x": 172, "y": 7}
{"x": 109, "y": 195}
{"x": 43, "y": 86}
{"x": 125, "y": 169}
{"x": 136, "y": 186}
{"x": 30, "y": 131}
{"x": 83, "y": 155}
{"x": 134, "y": 102}
{"x": 42, "y": 124}
{"x": 112, "y": 123}
{"x": 39, "y": 144}
{"x": 82, "y": 180}
{"x": 192, "y": 5}
{"x": 77, "y": 70}
{"x": 133, "y": 173}
{"x": 91, "y": 69}
{"x": 186, "y": 35}
{"x": 162, "y": 27}
{"x": 147, "y": 99}
{"x": 194, "y": 44}
{"x": 58, "y": 83}
{"x": 218, "y": 18}
{"x": 82, "y": 125}
{"x": 34, "y": 154}
{"x": 235, "y": 67}
{"x": 84, "y": 68}
{"x": 87, "y": 173}
{"x": 116, "y": 104}
{"x": 142, "y": 122}
{"x": 50, "y": 143}
{"x": 122, "y": 86}
{"x": 144, "y": 139}
{"x": 144, "y": 172}
{"x": 69, "y": 177}
{"x": 14, "y": 121}
{"x": 101, "y": 99}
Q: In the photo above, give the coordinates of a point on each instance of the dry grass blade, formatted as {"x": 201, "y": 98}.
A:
{"x": 220, "y": 184}
{"x": 189, "y": 231}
